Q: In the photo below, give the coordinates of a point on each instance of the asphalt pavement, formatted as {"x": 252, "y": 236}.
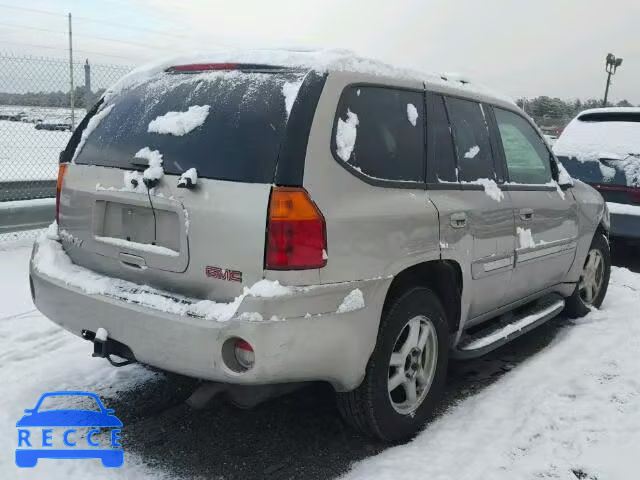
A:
{"x": 299, "y": 435}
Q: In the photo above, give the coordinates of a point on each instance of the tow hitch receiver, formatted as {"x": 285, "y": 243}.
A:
{"x": 104, "y": 347}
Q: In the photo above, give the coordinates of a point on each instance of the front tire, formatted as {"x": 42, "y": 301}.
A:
{"x": 406, "y": 373}
{"x": 594, "y": 279}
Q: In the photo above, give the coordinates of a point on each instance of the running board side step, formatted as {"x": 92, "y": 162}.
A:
{"x": 508, "y": 327}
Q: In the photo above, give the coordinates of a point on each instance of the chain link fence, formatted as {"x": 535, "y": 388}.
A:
{"x": 36, "y": 122}
{"x": 36, "y": 117}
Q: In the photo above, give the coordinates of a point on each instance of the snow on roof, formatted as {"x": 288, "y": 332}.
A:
{"x": 322, "y": 61}
{"x": 587, "y": 141}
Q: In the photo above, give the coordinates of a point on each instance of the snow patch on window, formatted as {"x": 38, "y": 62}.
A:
{"x": 346, "y": 133}
{"x": 412, "y": 114}
{"x": 290, "y": 91}
{"x": 353, "y": 301}
{"x": 607, "y": 172}
{"x": 473, "y": 152}
{"x": 631, "y": 168}
{"x": 491, "y": 188}
{"x": 180, "y": 123}
{"x": 91, "y": 126}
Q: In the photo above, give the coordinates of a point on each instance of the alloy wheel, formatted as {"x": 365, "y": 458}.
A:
{"x": 592, "y": 277}
{"x": 412, "y": 365}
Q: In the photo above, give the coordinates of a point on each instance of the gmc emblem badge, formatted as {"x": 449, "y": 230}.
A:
{"x": 223, "y": 274}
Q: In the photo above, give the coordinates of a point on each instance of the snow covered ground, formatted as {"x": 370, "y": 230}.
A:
{"x": 571, "y": 411}
{"x": 27, "y": 153}
{"x": 37, "y": 356}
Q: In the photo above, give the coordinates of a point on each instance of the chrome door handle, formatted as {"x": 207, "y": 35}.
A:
{"x": 458, "y": 220}
{"x": 526, "y": 214}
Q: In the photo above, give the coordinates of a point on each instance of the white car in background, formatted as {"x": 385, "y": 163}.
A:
{"x": 601, "y": 147}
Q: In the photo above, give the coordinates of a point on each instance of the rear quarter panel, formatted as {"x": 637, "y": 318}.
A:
{"x": 372, "y": 231}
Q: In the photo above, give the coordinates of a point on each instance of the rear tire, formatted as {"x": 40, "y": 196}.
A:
{"x": 406, "y": 373}
{"x": 594, "y": 279}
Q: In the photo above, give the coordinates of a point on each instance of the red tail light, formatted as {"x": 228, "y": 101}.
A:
{"x": 296, "y": 231}
{"x": 62, "y": 170}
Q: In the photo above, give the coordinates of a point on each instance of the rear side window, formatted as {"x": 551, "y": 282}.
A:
{"x": 229, "y": 125}
{"x": 471, "y": 135}
{"x": 527, "y": 157}
{"x": 440, "y": 142}
{"x": 379, "y": 132}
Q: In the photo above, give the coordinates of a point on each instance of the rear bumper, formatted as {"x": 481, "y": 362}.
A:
{"x": 625, "y": 226}
{"x": 309, "y": 341}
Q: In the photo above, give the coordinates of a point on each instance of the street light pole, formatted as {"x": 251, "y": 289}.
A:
{"x": 612, "y": 64}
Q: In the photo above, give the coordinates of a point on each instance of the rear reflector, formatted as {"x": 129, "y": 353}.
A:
{"x": 244, "y": 354}
{"x": 62, "y": 170}
{"x": 296, "y": 231}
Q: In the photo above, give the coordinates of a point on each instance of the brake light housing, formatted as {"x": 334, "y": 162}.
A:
{"x": 62, "y": 171}
{"x": 296, "y": 237}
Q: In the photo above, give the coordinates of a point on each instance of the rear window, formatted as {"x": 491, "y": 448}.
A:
{"x": 233, "y": 131}
{"x": 379, "y": 131}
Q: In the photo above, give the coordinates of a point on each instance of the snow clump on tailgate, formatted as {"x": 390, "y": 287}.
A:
{"x": 51, "y": 260}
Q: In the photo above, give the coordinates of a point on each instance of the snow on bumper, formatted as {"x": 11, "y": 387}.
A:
{"x": 297, "y": 333}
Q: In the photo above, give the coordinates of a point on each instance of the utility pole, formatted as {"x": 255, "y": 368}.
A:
{"x": 71, "y": 92}
{"x": 612, "y": 64}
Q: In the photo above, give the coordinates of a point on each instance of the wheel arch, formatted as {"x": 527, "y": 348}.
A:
{"x": 443, "y": 277}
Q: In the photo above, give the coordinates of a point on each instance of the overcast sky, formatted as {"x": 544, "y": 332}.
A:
{"x": 524, "y": 48}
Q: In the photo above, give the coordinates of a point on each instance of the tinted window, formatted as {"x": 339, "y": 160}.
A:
{"x": 239, "y": 139}
{"x": 526, "y": 154}
{"x": 471, "y": 135}
{"x": 440, "y": 145}
{"x": 380, "y": 132}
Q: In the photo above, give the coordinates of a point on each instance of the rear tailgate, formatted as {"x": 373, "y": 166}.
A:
{"x": 206, "y": 241}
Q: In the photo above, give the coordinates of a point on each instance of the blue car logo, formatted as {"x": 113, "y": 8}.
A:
{"x": 28, "y": 453}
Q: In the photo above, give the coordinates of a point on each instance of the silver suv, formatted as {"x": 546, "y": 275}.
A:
{"x": 293, "y": 218}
